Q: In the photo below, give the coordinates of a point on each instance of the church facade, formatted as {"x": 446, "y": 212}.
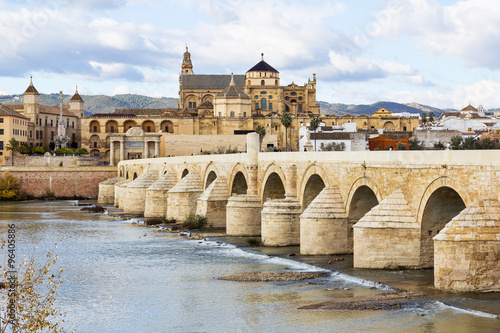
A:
{"x": 37, "y": 125}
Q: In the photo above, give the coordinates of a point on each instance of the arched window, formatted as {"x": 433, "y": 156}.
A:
{"x": 244, "y": 114}
{"x": 262, "y": 82}
{"x": 300, "y": 107}
{"x": 263, "y": 104}
{"x": 275, "y": 82}
{"x": 232, "y": 114}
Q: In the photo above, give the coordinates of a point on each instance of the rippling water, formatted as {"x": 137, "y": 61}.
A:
{"x": 120, "y": 277}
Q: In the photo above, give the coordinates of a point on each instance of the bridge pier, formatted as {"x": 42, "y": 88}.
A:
{"x": 324, "y": 225}
{"x": 212, "y": 203}
{"x": 388, "y": 236}
{"x": 157, "y": 196}
{"x": 182, "y": 198}
{"x": 281, "y": 222}
{"x": 135, "y": 192}
{"x": 467, "y": 250}
{"x": 107, "y": 190}
{"x": 119, "y": 188}
{"x": 243, "y": 216}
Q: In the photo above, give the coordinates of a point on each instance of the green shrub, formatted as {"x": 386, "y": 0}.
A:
{"x": 253, "y": 241}
{"x": 194, "y": 222}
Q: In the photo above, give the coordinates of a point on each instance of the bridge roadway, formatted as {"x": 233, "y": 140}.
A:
{"x": 391, "y": 209}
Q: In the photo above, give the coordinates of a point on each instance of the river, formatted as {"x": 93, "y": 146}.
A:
{"x": 120, "y": 277}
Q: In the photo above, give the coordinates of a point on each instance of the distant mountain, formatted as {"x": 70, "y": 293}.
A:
{"x": 101, "y": 103}
{"x": 107, "y": 104}
{"x": 342, "y": 109}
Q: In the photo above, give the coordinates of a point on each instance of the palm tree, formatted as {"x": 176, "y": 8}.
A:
{"x": 13, "y": 146}
{"x": 286, "y": 120}
{"x": 314, "y": 124}
{"x": 261, "y": 131}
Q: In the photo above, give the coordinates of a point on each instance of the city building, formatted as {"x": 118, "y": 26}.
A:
{"x": 34, "y": 124}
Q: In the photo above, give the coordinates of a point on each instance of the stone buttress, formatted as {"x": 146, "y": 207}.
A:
{"x": 467, "y": 250}
{"x": 388, "y": 236}
{"x": 119, "y": 188}
{"x": 324, "y": 226}
{"x": 182, "y": 198}
{"x": 281, "y": 222}
{"x": 212, "y": 203}
{"x": 107, "y": 190}
{"x": 156, "y": 196}
{"x": 243, "y": 211}
{"x": 133, "y": 196}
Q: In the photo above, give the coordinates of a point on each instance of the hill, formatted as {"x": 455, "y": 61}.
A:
{"x": 342, "y": 109}
{"x": 101, "y": 103}
{"x": 107, "y": 104}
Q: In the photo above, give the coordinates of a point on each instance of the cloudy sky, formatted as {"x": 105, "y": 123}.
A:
{"x": 438, "y": 52}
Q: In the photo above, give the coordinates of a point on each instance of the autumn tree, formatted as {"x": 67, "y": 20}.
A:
{"x": 33, "y": 296}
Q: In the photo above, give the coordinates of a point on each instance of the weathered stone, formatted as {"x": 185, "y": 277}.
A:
{"x": 157, "y": 196}
{"x": 281, "y": 222}
{"x": 323, "y": 225}
{"x": 212, "y": 203}
{"x": 243, "y": 215}
{"x": 467, "y": 250}
{"x": 134, "y": 194}
{"x": 388, "y": 236}
{"x": 107, "y": 190}
{"x": 182, "y": 197}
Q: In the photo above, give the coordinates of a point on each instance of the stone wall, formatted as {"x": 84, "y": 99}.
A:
{"x": 428, "y": 138}
{"x": 178, "y": 145}
{"x": 62, "y": 181}
{"x": 52, "y": 161}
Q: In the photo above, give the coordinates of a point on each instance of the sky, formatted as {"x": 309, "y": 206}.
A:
{"x": 441, "y": 53}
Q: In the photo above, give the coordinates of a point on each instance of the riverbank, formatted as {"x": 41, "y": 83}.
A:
{"x": 417, "y": 283}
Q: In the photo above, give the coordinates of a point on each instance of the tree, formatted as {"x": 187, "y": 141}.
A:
{"x": 33, "y": 295}
{"x": 431, "y": 116}
{"x": 469, "y": 143}
{"x": 13, "y": 146}
{"x": 286, "y": 120}
{"x": 261, "y": 131}
{"x": 439, "y": 145}
{"x": 401, "y": 146}
{"x": 456, "y": 142}
{"x": 333, "y": 146}
{"x": 424, "y": 117}
{"x": 9, "y": 186}
{"x": 314, "y": 124}
{"x": 24, "y": 149}
{"x": 415, "y": 144}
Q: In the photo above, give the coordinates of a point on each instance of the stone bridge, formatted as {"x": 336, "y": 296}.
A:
{"x": 391, "y": 209}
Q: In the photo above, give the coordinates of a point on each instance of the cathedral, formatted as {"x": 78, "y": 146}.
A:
{"x": 222, "y": 105}
{"x": 257, "y": 92}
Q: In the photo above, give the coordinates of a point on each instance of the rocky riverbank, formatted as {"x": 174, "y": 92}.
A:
{"x": 273, "y": 276}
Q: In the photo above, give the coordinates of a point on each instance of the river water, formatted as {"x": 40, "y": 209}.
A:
{"x": 119, "y": 277}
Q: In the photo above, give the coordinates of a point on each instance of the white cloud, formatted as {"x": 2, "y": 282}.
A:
{"x": 467, "y": 30}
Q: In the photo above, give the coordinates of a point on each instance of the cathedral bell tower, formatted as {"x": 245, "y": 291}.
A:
{"x": 187, "y": 66}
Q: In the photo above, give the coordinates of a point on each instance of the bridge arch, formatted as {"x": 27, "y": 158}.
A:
{"x": 443, "y": 199}
{"x": 273, "y": 183}
{"x": 312, "y": 182}
{"x": 211, "y": 173}
{"x": 184, "y": 172}
{"x": 239, "y": 180}
{"x": 363, "y": 196}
